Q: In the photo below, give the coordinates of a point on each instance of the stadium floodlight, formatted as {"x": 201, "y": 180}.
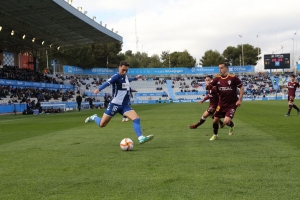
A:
{"x": 12, "y": 32}
{"x": 33, "y": 39}
{"x": 50, "y": 45}
{"x": 85, "y": 12}
{"x": 58, "y": 47}
{"x": 112, "y": 29}
{"x": 101, "y": 23}
{"x": 94, "y": 18}
{"x": 105, "y": 25}
{"x": 70, "y": 2}
{"x": 116, "y": 32}
{"x": 0, "y": 28}
{"x": 43, "y": 42}
{"x": 79, "y": 8}
{"x": 24, "y": 36}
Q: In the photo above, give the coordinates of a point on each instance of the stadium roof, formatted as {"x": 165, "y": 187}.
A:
{"x": 49, "y": 22}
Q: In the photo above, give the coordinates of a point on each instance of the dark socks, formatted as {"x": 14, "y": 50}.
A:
{"x": 290, "y": 108}
{"x": 231, "y": 124}
{"x": 215, "y": 127}
{"x": 221, "y": 123}
{"x": 202, "y": 120}
{"x": 294, "y": 106}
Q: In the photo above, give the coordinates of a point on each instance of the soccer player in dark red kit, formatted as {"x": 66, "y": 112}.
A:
{"x": 292, "y": 87}
{"x": 227, "y": 86}
{"x": 213, "y": 97}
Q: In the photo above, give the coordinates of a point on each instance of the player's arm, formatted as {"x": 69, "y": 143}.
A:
{"x": 239, "y": 102}
{"x": 135, "y": 78}
{"x": 107, "y": 83}
{"x": 205, "y": 98}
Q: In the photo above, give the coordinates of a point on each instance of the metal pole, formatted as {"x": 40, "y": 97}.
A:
{"x": 47, "y": 59}
{"x": 295, "y": 61}
{"x": 169, "y": 61}
{"x": 54, "y": 63}
{"x": 243, "y": 52}
{"x": 293, "y": 54}
{"x": 241, "y": 36}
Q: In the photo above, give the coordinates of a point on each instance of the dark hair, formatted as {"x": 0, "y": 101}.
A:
{"x": 208, "y": 76}
{"x": 224, "y": 63}
{"x": 292, "y": 75}
{"x": 124, "y": 63}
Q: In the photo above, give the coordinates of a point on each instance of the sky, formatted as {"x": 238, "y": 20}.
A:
{"x": 200, "y": 25}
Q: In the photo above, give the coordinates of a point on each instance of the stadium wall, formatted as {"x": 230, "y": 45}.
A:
{"x": 20, "y": 107}
{"x": 35, "y": 84}
{"x": 156, "y": 71}
{"x": 9, "y": 108}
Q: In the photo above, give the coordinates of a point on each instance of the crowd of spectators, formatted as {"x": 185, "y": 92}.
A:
{"x": 20, "y": 95}
{"x": 255, "y": 85}
{"x": 80, "y": 81}
{"x": 32, "y": 107}
{"x": 16, "y": 73}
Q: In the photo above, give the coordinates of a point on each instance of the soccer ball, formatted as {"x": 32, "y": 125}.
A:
{"x": 126, "y": 144}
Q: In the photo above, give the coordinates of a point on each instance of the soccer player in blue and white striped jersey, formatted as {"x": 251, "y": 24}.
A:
{"x": 120, "y": 102}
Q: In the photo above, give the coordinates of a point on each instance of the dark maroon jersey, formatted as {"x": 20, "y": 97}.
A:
{"x": 227, "y": 89}
{"x": 213, "y": 96}
{"x": 292, "y": 87}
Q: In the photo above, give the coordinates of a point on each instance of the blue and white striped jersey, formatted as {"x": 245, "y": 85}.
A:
{"x": 120, "y": 88}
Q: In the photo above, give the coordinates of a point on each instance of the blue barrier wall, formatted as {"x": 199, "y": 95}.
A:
{"x": 157, "y": 71}
{"x": 35, "y": 84}
{"x": 4, "y": 108}
{"x": 9, "y": 108}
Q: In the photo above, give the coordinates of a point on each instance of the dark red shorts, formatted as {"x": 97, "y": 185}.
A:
{"x": 229, "y": 111}
{"x": 291, "y": 98}
{"x": 211, "y": 109}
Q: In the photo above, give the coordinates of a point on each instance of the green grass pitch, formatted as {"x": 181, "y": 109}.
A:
{"x": 57, "y": 156}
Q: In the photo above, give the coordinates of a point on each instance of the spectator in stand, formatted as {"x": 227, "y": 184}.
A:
{"x": 78, "y": 100}
{"x": 29, "y": 108}
{"x": 107, "y": 99}
{"x": 38, "y": 106}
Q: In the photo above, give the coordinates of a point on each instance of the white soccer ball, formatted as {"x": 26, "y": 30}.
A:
{"x": 126, "y": 144}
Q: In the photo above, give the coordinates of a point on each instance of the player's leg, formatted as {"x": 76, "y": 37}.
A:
{"x": 290, "y": 103}
{"x": 215, "y": 127}
{"x": 228, "y": 119}
{"x": 101, "y": 122}
{"x": 294, "y": 106}
{"x": 111, "y": 110}
{"x": 220, "y": 121}
{"x": 217, "y": 116}
{"x": 131, "y": 114}
{"x": 201, "y": 121}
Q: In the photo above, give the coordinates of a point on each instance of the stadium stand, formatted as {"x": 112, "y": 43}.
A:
{"x": 20, "y": 78}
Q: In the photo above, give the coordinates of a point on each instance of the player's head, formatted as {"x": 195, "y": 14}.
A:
{"x": 123, "y": 68}
{"x": 223, "y": 69}
{"x": 292, "y": 77}
{"x": 208, "y": 80}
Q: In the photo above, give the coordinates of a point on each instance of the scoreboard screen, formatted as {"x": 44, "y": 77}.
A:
{"x": 277, "y": 61}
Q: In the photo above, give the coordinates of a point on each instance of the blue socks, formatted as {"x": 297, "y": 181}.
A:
{"x": 97, "y": 120}
{"x": 137, "y": 127}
